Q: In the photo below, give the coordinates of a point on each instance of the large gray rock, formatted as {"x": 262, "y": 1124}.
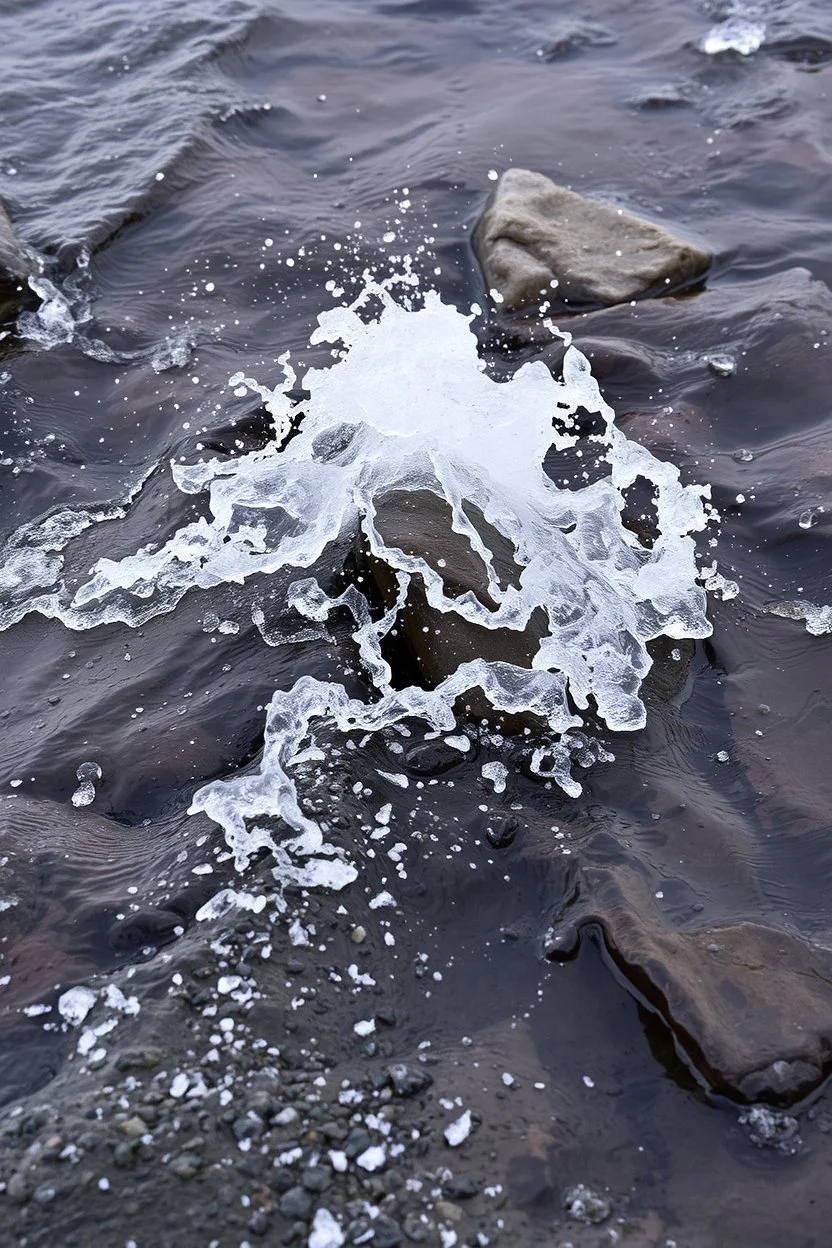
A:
{"x": 534, "y": 232}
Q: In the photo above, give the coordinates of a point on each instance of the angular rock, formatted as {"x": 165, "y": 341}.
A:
{"x": 534, "y": 233}
{"x": 747, "y": 1002}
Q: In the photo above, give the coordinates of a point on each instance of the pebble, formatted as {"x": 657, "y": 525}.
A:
{"x": 186, "y": 1165}
{"x": 134, "y": 1128}
{"x": 17, "y": 1188}
{"x": 316, "y": 1179}
{"x": 388, "y": 1233}
{"x": 448, "y": 1211}
{"x": 408, "y": 1080}
{"x": 296, "y": 1203}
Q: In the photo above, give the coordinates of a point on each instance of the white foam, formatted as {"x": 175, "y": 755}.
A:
{"x": 409, "y": 406}
{"x": 75, "y": 1004}
{"x": 325, "y": 1232}
{"x": 818, "y": 619}
{"x": 459, "y": 1130}
{"x": 738, "y": 34}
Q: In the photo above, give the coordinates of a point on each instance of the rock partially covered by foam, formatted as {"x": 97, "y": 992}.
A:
{"x": 536, "y": 240}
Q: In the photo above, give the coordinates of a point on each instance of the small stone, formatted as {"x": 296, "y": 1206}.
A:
{"x": 258, "y": 1223}
{"x": 45, "y": 1194}
{"x": 388, "y": 1233}
{"x": 358, "y": 935}
{"x": 124, "y": 1154}
{"x": 460, "y": 1187}
{"x": 17, "y": 1188}
{"x": 447, "y": 1211}
{"x": 283, "y": 1179}
{"x": 316, "y": 1179}
{"x": 134, "y": 1128}
{"x": 249, "y": 1127}
{"x": 356, "y": 1142}
{"x": 414, "y": 1228}
{"x": 138, "y": 1059}
{"x": 582, "y": 1204}
{"x": 296, "y": 1204}
{"x": 186, "y": 1165}
{"x": 408, "y": 1080}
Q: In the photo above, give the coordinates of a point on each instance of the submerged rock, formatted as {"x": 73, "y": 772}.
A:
{"x": 747, "y": 1002}
{"x": 419, "y": 523}
{"x": 536, "y": 240}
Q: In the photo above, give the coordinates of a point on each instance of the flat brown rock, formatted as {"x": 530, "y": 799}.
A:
{"x": 750, "y": 1004}
{"x": 534, "y": 233}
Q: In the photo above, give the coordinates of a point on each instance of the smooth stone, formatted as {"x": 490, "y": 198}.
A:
{"x": 533, "y": 232}
{"x": 747, "y": 1002}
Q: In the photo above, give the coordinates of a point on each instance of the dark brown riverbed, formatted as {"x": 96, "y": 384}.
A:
{"x": 192, "y": 177}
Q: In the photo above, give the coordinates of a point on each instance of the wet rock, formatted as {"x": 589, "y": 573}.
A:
{"x": 316, "y": 1179}
{"x": 502, "y": 832}
{"x": 186, "y": 1165}
{"x": 536, "y": 240}
{"x": 561, "y": 942}
{"x": 573, "y": 36}
{"x": 17, "y": 1188}
{"x": 15, "y": 264}
{"x": 749, "y": 1003}
{"x": 408, "y": 1080}
{"x": 296, "y": 1203}
{"x": 419, "y": 523}
{"x": 387, "y": 1232}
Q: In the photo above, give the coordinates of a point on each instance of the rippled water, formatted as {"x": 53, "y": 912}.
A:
{"x": 193, "y": 177}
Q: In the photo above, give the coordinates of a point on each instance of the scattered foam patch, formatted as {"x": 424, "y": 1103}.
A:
{"x": 737, "y": 34}
{"x": 818, "y": 619}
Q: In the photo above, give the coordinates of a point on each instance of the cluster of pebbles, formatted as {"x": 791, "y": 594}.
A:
{"x": 213, "y": 1114}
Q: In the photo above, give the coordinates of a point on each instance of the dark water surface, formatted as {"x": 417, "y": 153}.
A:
{"x": 168, "y": 161}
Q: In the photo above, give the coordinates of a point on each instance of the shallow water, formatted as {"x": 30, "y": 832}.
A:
{"x": 168, "y": 167}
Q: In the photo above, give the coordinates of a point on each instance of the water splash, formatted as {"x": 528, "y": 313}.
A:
{"x": 407, "y": 405}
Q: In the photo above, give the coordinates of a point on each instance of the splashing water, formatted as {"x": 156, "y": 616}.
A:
{"x": 408, "y": 406}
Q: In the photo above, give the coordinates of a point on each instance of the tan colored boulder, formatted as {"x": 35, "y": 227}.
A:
{"x": 534, "y": 233}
